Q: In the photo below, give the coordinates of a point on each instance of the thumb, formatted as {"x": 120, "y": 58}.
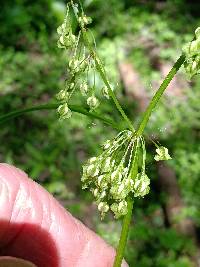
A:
{"x": 35, "y": 227}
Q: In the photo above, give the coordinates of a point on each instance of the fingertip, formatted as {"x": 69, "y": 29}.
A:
{"x": 10, "y": 170}
{"x": 74, "y": 243}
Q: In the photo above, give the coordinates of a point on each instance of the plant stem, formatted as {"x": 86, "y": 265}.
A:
{"x": 124, "y": 234}
{"x": 145, "y": 119}
{"x": 77, "y": 109}
{"x": 127, "y": 218}
{"x": 158, "y": 94}
{"x": 102, "y": 73}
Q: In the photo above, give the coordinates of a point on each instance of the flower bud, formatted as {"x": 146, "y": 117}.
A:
{"x": 62, "y": 95}
{"x": 84, "y": 89}
{"x": 92, "y": 170}
{"x": 93, "y": 102}
{"x": 162, "y": 154}
{"x": 117, "y": 191}
{"x": 71, "y": 86}
{"x": 105, "y": 92}
{"x": 92, "y": 160}
{"x": 103, "y": 208}
{"x": 102, "y": 181}
{"x": 141, "y": 185}
{"x": 194, "y": 47}
{"x": 119, "y": 209}
{"x": 96, "y": 192}
{"x": 106, "y": 144}
{"x": 107, "y": 165}
{"x": 116, "y": 176}
{"x": 84, "y": 20}
{"x": 66, "y": 41}
{"x": 64, "y": 111}
{"x": 74, "y": 65}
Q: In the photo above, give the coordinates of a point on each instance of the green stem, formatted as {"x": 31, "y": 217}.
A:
{"x": 145, "y": 119}
{"x": 124, "y": 234}
{"x": 77, "y": 109}
{"x": 102, "y": 73}
{"x": 159, "y": 93}
{"x": 127, "y": 218}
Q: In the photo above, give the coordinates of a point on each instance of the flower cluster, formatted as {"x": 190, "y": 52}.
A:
{"x": 81, "y": 65}
{"x": 192, "y": 54}
{"x": 110, "y": 176}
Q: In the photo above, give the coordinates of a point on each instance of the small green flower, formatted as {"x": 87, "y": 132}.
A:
{"x": 192, "y": 54}
{"x": 122, "y": 189}
{"x": 107, "y": 144}
{"x": 92, "y": 170}
{"x": 74, "y": 65}
{"x": 64, "y": 111}
{"x": 105, "y": 92}
{"x": 141, "y": 185}
{"x": 162, "y": 154}
{"x": 116, "y": 175}
{"x": 92, "y": 102}
{"x": 119, "y": 209}
{"x": 63, "y": 95}
{"x": 103, "y": 208}
{"x": 84, "y": 88}
{"x": 66, "y": 41}
{"x": 107, "y": 164}
{"x": 84, "y": 20}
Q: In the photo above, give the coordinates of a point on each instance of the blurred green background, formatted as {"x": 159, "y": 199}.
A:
{"x": 139, "y": 41}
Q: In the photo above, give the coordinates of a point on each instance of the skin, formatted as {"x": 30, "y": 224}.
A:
{"x": 35, "y": 227}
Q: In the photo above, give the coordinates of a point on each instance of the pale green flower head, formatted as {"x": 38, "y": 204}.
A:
{"x": 109, "y": 177}
{"x": 162, "y": 154}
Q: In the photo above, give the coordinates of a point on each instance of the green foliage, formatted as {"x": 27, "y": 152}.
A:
{"x": 52, "y": 153}
{"x": 22, "y": 23}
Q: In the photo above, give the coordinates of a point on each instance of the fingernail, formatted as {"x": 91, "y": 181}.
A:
{"x": 7, "y": 261}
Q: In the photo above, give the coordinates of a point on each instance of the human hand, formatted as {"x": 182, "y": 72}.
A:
{"x": 35, "y": 227}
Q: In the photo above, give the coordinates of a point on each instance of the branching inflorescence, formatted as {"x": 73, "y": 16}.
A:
{"x": 109, "y": 176}
{"x": 82, "y": 63}
{"x": 119, "y": 171}
{"x": 117, "y": 175}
